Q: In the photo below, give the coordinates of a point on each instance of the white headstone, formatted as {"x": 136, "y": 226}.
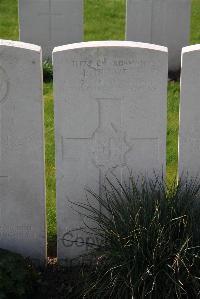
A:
{"x": 51, "y": 23}
{"x": 22, "y": 191}
{"x": 110, "y": 113}
{"x": 189, "y": 132}
{"x": 161, "y": 22}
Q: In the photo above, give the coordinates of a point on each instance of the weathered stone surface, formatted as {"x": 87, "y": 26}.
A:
{"x": 189, "y": 132}
{"x": 110, "y": 114}
{"x": 22, "y": 192}
{"x": 51, "y": 23}
{"x": 161, "y": 22}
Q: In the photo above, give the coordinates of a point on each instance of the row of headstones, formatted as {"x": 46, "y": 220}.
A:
{"x": 110, "y": 116}
{"x": 51, "y": 23}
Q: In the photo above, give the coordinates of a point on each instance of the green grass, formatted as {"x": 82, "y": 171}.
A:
{"x": 8, "y": 19}
{"x": 104, "y": 20}
{"x": 151, "y": 240}
{"x": 195, "y": 22}
{"x": 172, "y": 129}
{"x": 50, "y": 167}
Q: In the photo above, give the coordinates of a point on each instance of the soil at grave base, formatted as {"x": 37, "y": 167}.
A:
{"x": 56, "y": 282}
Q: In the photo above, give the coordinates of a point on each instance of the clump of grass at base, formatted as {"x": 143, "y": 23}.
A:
{"x": 47, "y": 71}
{"x": 151, "y": 246}
{"x": 18, "y": 278}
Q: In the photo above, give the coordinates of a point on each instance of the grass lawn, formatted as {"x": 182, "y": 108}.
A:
{"x": 104, "y": 20}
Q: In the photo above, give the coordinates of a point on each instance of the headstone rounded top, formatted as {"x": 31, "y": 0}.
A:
{"x": 192, "y": 48}
{"x": 16, "y": 44}
{"x": 96, "y": 44}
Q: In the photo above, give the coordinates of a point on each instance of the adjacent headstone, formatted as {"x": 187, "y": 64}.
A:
{"x": 22, "y": 191}
{"x": 161, "y": 22}
{"x": 110, "y": 115}
{"x": 51, "y": 23}
{"x": 189, "y": 132}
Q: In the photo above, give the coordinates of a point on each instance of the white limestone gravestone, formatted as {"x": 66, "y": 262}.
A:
{"x": 51, "y": 23}
{"x": 110, "y": 113}
{"x": 161, "y": 22}
{"x": 22, "y": 191}
{"x": 189, "y": 132}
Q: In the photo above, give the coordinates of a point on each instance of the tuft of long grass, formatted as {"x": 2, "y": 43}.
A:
{"x": 47, "y": 71}
{"x": 150, "y": 240}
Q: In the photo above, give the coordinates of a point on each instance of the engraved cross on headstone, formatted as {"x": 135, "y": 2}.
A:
{"x": 50, "y": 14}
{"x": 107, "y": 146}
